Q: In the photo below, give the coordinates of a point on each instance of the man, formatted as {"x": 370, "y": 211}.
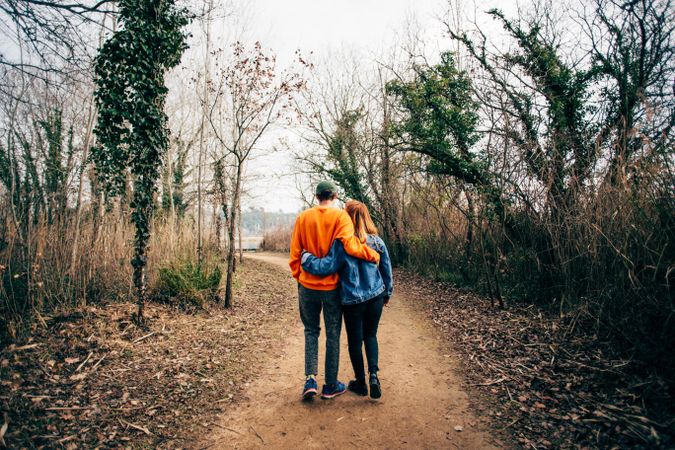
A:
{"x": 315, "y": 230}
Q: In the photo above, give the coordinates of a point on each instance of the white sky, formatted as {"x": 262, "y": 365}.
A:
{"x": 362, "y": 27}
{"x": 320, "y": 26}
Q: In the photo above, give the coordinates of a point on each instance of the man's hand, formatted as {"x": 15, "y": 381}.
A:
{"x": 386, "y": 300}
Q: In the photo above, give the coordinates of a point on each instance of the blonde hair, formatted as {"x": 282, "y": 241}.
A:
{"x": 363, "y": 224}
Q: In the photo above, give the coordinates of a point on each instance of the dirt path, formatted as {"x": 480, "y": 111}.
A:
{"x": 421, "y": 407}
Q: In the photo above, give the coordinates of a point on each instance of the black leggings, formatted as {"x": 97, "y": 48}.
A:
{"x": 361, "y": 321}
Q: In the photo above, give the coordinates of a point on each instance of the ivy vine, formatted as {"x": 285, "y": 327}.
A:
{"x": 130, "y": 95}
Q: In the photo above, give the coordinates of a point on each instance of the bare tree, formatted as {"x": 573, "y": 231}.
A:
{"x": 55, "y": 36}
{"x": 348, "y": 121}
{"x": 248, "y": 97}
{"x": 208, "y": 6}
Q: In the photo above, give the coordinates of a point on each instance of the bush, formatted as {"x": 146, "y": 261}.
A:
{"x": 187, "y": 283}
{"x": 277, "y": 240}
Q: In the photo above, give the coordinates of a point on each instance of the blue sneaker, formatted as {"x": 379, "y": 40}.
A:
{"x": 333, "y": 390}
{"x": 311, "y": 389}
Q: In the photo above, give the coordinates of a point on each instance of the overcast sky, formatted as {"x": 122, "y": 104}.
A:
{"x": 320, "y": 26}
{"x": 362, "y": 27}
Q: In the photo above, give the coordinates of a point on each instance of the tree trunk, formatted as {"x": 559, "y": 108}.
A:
{"x": 226, "y": 216}
{"x": 230, "y": 235}
{"x": 141, "y": 218}
{"x": 169, "y": 184}
{"x": 200, "y": 159}
{"x": 141, "y": 287}
{"x": 468, "y": 249}
{"x": 239, "y": 219}
{"x": 199, "y": 193}
{"x": 218, "y": 224}
{"x": 80, "y": 187}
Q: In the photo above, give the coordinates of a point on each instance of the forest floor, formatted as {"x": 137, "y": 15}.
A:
{"x": 455, "y": 372}
{"x": 93, "y": 379}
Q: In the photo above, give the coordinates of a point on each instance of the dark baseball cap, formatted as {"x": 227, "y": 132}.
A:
{"x": 325, "y": 186}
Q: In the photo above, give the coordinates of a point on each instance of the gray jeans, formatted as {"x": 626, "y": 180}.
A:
{"x": 311, "y": 303}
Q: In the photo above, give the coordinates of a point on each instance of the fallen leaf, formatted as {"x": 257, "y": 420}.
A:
{"x": 3, "y": 430}
{"x": 78, "y": 376}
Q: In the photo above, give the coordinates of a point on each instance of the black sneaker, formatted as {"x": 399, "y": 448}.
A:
{"x": 375, "y": 389}
{"x": 359, "y": 387}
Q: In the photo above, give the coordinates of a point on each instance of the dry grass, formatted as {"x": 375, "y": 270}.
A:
{"x": 49, "y": 269}
{"x": 607, "y": 259}
{"x": 277, "y": 240}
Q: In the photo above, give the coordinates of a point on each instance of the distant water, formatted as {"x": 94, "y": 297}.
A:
{"x": 251, "y": 243}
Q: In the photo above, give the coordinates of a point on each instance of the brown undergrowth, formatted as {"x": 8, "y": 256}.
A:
{"x": 92, "y": 379}
{"x": 542, "y": 382}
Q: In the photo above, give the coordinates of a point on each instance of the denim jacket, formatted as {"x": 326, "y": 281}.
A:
{"x": 359, "y": 280}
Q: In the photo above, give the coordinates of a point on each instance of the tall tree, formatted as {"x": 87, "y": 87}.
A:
{"x": 207, "y": 10}
{"x": 249, "y": 96}
{"x": 347, "y": 131}
{"x": 130, "y": 95}
{"x": 632, "y": 47}
{"x": 439, "y": 119}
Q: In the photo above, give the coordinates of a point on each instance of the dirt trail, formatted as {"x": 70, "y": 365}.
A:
{"x": 421, "y": 406}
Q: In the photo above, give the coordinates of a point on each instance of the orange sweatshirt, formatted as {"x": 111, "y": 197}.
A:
{"x": 315, "y": 230}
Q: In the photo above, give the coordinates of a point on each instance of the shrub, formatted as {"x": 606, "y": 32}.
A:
{"x": 277, "y": 240}
{"x": 188, "y": 283}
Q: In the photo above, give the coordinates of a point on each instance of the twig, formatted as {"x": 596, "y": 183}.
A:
{"x": 257, "y": 434}
{"x": 66, "y": 408}
{"x": 225, "y": 428}
{"x": 84, "y": 362}
{"x": 126, "y": 328}
{"x": 41, "y": 319}
{"x": 24, "y": 347}
{"x": 489, "y": 383}
{"x": 143, "y": 337}
{"x": 511, "y": 424}
{"x": 137, "y": 427}
{"x": 99, "y": 362}
{"x": 3, "y": 430}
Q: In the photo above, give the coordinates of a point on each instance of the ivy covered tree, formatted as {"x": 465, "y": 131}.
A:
{"x": 132, "y": 126}
{"x": 173, "y": 197}
{"x": 558, "y": 142}
{"x": 55, "y": 174}
{"x": 439, "y": 119}
{"x": 342, "y": 161}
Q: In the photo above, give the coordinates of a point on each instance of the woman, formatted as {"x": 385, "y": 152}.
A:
{"x": 365, "y": 289}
